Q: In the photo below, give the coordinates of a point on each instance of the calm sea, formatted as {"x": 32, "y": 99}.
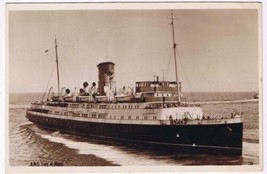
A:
{"x": 30, "y": 145}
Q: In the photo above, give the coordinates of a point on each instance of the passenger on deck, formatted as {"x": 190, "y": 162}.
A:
{"x": 171, "y": 120}
{"x": 176, "y": 121}
{"x": 93, "y": 90}
{"x": 82, "y": 92}
{"x": 124, "y": 90}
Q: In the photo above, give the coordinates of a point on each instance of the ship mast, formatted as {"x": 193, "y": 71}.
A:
{"x": 175, "y": 61}
{"x": 58, "y": 84}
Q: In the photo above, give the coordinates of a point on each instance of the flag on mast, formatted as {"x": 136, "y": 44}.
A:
{"x": 46, "y": 51}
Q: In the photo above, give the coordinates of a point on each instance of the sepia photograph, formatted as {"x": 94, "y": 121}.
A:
{"x": 112, "y": 86}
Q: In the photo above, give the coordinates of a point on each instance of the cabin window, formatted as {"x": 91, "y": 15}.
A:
{"x": 75, "y": 114}
{"x": 122, "y": 117}
{"x": 145, "y": 117}
{"x": 93, "y": 115}
{"x": 154, "y": 117}
{"x": 137, "y": 117}
{"x": 129, "y": 117}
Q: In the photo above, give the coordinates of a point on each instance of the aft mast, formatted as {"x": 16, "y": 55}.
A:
{"x": 58, "y": 82}
{"x": 175, "y": 61}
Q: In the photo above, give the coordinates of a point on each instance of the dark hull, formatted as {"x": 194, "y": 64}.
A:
{"x": 223, "y": 139}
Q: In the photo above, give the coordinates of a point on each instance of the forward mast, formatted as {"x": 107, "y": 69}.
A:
{"x": 58, "y": 82}
{"x": 175, "y": 60}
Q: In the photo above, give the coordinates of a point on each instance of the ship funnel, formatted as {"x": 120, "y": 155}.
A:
{"x": 105, "y": 76}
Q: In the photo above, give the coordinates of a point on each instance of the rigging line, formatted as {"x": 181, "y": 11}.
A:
{"x": 214, "y": 91}
{"x": 186, "y": 78}
{"x": 64, "y": 76}
{"x": 191, "y": 93}
{"x": 166, "y": 75}
{"x": 210, "y": 85}
{"x": 48, "y": 82}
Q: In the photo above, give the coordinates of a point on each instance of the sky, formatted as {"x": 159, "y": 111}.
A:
{"x": 218, "y": 49}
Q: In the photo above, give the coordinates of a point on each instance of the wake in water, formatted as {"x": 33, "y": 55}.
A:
{"x": 25, "y": 124}
{"x": 110, "y": 153}
{"x": 251, "y": 153}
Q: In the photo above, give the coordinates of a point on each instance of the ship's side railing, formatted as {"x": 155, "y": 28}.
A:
{"x": 185, "y": 121}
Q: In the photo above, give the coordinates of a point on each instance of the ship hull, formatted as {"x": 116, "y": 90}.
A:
{"x": 225, "y": 139}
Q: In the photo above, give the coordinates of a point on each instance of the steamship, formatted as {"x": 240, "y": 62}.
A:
{"x": 152, "y": 115}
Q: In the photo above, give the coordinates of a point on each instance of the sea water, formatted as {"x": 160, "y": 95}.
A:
{"x": 30, "y": 145}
